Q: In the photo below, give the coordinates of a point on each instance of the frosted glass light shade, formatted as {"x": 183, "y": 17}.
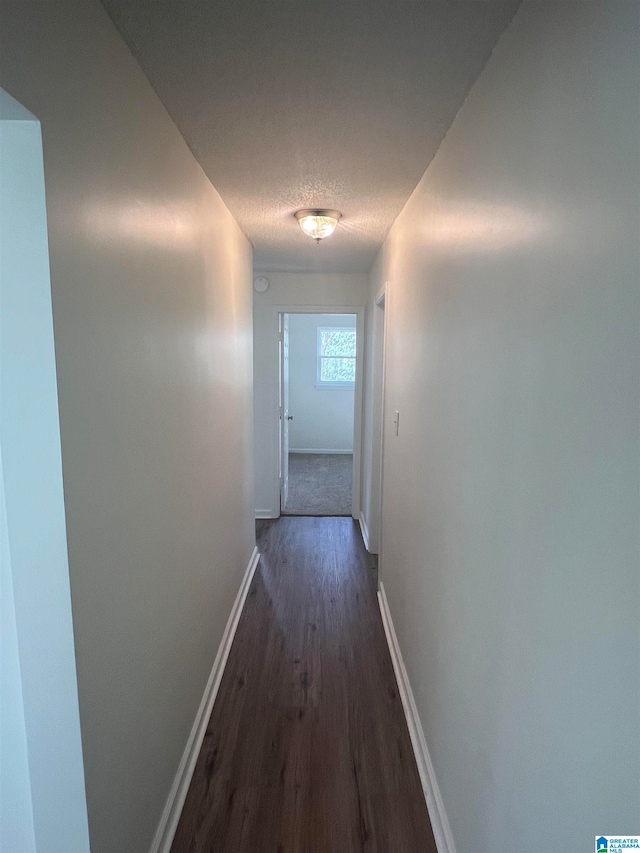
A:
{"x": 318, "y": 224}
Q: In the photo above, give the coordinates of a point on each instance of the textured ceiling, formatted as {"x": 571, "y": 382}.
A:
{"x": 290, "y": 103}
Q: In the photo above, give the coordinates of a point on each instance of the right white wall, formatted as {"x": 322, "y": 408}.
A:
{"x": 510, "y": 553}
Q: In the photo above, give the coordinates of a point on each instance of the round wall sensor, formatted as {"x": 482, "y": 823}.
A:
{"x": 261, "y": 284}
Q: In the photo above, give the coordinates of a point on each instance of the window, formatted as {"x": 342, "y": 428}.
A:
{"x": 336, "y": 357}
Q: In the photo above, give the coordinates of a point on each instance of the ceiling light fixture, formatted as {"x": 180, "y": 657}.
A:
{"x": 318, "y": 223}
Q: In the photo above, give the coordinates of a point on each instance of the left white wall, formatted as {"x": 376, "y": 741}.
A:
{"x": 151, "y": 293}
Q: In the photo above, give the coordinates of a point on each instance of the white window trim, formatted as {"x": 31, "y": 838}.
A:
{"x": 324, "y": 384}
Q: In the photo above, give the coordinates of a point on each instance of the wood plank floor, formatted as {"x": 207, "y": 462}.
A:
{"x": 307, "y": 749}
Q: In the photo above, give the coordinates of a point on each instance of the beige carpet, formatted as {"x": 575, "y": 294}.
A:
{"x": 319, "y": 484}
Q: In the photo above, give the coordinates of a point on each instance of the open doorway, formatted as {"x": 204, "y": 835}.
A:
{"x": 40, "y": 738}
{"x": 317, "y": 412}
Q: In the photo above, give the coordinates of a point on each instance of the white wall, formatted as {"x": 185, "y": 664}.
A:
{"x": 42, "y": 794}
{"x": 151, "y": 291}
{"x": 322, "y": 417}
{"x": 510, "y": 536}
{"x": 286, "y": 290}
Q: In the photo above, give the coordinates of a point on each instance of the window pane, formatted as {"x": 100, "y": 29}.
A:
{"x": 338, "y": 342}
{"x": 337, "y": 370}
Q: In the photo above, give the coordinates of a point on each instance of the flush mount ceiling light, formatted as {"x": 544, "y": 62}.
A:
{"x": 318, "y": 223}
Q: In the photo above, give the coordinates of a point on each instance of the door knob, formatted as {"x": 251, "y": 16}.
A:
{"x": 289, "y": 417}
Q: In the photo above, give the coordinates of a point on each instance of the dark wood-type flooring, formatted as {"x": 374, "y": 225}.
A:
{"x": 307, "y": 749}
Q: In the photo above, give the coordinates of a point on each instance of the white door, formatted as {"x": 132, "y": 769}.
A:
{"x": 283, "y": 410}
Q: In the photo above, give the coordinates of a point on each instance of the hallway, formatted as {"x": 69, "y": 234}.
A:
{"x": 394, "y": 244}
{"x": 307, "y": 749}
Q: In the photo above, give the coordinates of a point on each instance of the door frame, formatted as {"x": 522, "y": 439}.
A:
{"x": 381, "y": 303}
{"x": 284, "y": 418}
{"x": 37, "y": 637}
{"x": 359, "y": 312}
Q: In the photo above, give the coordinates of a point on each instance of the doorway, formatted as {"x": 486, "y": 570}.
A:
{"x": 319, "y": 398}
{"x": 40, "y": 737}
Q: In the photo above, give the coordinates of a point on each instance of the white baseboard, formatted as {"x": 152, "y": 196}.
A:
{"x": 175, "y": 801}
{"x": 315, "y": 450}
{"x": 437, "y": 813}
{"x": 365, "y": 532}
{"x": 266, "y": 513}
